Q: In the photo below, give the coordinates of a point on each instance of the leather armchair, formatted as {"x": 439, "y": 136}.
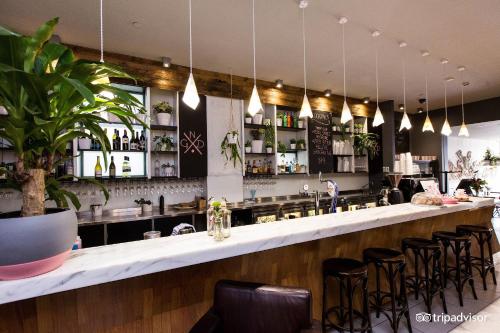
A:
{"x": 245, "y": 307}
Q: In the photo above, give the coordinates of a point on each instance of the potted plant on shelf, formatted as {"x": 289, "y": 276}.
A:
{"x": 279, "y": 119}
{"x": 490, "y": 158}
{"x": 293, "y": 144}
{"x": 163, "y": 111}
{"x": 300, "y": 123}
{"x": 257, "y": 140}
{"x": 146, "y": 205}
{"x": 269, "y": 138}
{"x": 248, "y": 118}
{"x": 248, "y": 147}
{"x": 366, "y": 143}
{"x": 257, "y": 119}
{"x": 163, "y": 143}
{"x": 230, "y": 147}
{"x": 301, "y": 144}
{"x": 51, "y": 98}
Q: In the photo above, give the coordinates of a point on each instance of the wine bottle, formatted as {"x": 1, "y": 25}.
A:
{"x": 114, "y": 141}
{"x": 142, "y": 141}
{"x": 133, "y": 142}
{"x": 98, "y": 168}
{"x": 118, "y": 140}
{"x": 126, "y": 167}
{"x": 125, "y": 142}
{"x": 112, "y": 168}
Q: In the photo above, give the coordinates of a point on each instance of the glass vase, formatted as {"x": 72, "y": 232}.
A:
{"x": 218, "y": 229}
{"x": 226, "y": 223}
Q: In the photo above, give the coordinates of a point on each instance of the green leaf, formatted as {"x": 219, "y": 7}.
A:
{"x": 82, "y": 89}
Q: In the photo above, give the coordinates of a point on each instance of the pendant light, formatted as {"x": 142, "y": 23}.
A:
{"x": 255, "y": 105}
{"x": 379, "y": 118}
{"x": 104, "y": 79}
{"x": 446, "y": 129}
{"x": 190, "y": 97}
{"x": 427, "y": 123}
{"x": 305, "y": 110}
{"x": 405, "y": 122}
{"x": 463, "y": 129}
{"x": 346, "y": 112}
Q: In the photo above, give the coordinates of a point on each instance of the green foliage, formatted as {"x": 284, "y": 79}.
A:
{"x": 163, "y": 141}
{"x": 231, "y": 151}
{"x": 269, "y": 135}
{"x": 257, "y": 133}
{"x": 281, "y": 149}
{"x": 366, "y": 142}
{"x": 163, "y": 107}
{"x": 51, "y": 98}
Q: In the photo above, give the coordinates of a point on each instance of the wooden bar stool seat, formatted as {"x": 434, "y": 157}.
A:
{"x": 351, "y": 276}
{"x": 394, "y": 301}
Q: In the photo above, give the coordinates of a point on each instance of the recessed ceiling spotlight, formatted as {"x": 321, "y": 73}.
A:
{"x": 330, "y": 71}
{"x": 403, "y": 44}
{"x": 279, "y": 83}
{"x": 422, "y": 100}
{"x": 366, "y": 100}
{"x": 328, "y": 93}
{"x": 136, "y": 24}
{"x": 461, "y": 68}
{"x": 167, "y": 61}
{"x": 466, "y": 83}
{"x": 425, "y": 53}
{"x": 343, "y": 20}
{"x": 420, "y": 110}
{"x": 444, "y": 61}
{"x": 401, "y": 107}
{"x": 303, "y": 4}
{"x": 375, "y": 33}
{"x": 449, "y": 79}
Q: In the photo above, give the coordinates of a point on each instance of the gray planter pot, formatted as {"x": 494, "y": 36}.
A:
{"x": 35, "y": 245}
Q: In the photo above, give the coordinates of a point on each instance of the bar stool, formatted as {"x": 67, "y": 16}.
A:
{"x": 483, "y": 235}
{"x": 429, "y": 252}
{"x": 393, "y": 263}
{"x": 351, "y": 275}
{"x": 463, "y": 269}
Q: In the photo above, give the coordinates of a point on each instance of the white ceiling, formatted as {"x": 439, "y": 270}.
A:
{"x": 466, "y": 32}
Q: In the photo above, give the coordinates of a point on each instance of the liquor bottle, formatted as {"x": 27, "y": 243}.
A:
{"x": 254, "y": 168}
{"x": 285, "y": 120}
{"x": 126, "y": 170}
{"x": 296, "y": 121}
{"x": 269, "y": 167}
{"x": 133, "y": 142}
{"x": 69, "y": 167}
{"x": 249, "y": 168}
{"x": 118, "y": 140}
{"x": 112, "y": 168}
{"x": 98, "y": 168}
{"x": 114, "y": 141}
{"x": 125, "y": 142}
{"x": 142, "y": 141}
{"x": 290, "y": 120}
{"x": 162, "y": 204}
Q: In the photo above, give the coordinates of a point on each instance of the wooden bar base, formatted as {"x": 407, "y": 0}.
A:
{"x": 173, "y": 301}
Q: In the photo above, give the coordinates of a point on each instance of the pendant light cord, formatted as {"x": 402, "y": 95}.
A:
{"x": 426, "y": 90}
{"x": 343, "y": 58}
{"x": 462, "y": 93}
{"x": 445, "y": 92}
{"x": 304, "y": 43}
{"x": 231, "y": 117}
{"x": 101, "y": 31}
{"x": 376, "y": 68}
{"x": 404, "y": 80}
{"x": 253, "y": 39}
{"x": 190, "y": 41}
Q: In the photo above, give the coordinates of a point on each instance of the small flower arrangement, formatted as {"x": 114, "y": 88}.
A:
{"x": 163, "y": 107}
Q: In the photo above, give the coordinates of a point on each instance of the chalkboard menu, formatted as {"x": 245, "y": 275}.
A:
{"x": 320, "y": 142}
{"x": 193, "y": 139}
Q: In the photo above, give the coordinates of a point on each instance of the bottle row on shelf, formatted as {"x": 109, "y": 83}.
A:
{"x": 126, "y": 168}
{"x": 137, "y": 142}
{"x": 259, "y": 167}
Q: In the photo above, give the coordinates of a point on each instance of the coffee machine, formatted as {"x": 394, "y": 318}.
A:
{"x": 395, "y": 195}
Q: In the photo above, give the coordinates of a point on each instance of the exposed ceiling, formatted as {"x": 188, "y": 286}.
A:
{"x": 464, "y": 31}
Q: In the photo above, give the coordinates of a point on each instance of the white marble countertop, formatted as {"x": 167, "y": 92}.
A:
{"x": 121, "y": 261}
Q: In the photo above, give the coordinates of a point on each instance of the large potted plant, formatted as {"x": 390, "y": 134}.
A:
{"x": 51, "y": 98}
{"x": 163, "y": 113}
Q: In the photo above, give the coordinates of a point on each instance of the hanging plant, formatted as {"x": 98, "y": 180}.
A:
{"x": 230, "y": 147}
{"x": 366, "y": 142}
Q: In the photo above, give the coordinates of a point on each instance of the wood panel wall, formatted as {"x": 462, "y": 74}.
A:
{"x": 152, "y": 74}
{"x": 173, "y": 301}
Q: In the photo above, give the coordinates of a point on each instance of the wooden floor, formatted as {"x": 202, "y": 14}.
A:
{"x": 173, "y": 301}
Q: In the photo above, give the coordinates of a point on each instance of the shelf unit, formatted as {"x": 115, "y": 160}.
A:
{"x": 343, "y": 150}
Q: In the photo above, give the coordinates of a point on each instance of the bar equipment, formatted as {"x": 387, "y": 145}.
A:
{"x": 152, "y": 234}
{"x": 395, "y": 195}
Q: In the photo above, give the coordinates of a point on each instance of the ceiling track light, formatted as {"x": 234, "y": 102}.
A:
{"x": 401, "y": 107}
{"x": 346, "y": 114}
{"x": 366, "y": 100}
{"x": 278, "y": 84}
{"x": 305, "y": 110}
{"x": 191, "y": 97}
{"x": 167, "y": 62}
{"x": 425, "y": 53}
{"x": 254, "y": 106}
{"x": 328, "y": 92}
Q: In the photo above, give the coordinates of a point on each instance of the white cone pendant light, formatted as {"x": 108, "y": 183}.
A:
{"x": 405, "y": 121}
{"x": 191, "y": 97}
{"x": 463, "y": 129}
{"x": 427, "y": 123}
{"x": 305, "y": 110}
{"x": 346, "y": 112}
{"x": 446, "y": 129}
{"x": 379, "y": 118}
{"x": 255, "y": 105}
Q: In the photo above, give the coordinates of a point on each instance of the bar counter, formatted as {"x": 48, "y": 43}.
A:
{"x": 186, "y": 267}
